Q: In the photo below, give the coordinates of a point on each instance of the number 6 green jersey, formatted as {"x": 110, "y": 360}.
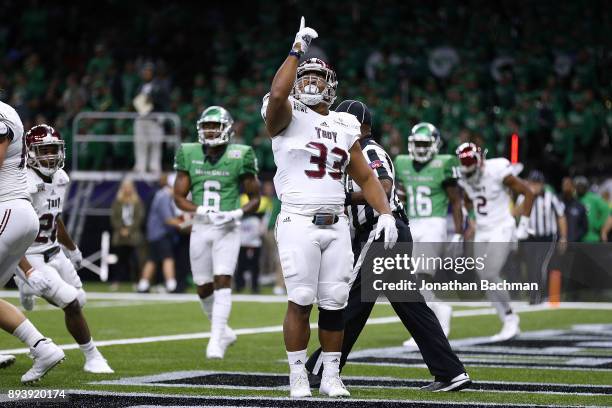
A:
{"x": 216, "y": 185}
{"x": 425, "y": 193}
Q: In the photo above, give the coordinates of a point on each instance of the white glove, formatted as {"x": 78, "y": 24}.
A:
{"x": 386, "y": 224}
{"x": 202, "y": 215}
{"x": 522, "y": 231}
{"x": 37, "y": 280}
{"x": 303, "y": 38}
{"x": 224, "y": 217}
{"x": 456, "y": 238}
{"x": 76, "y": 257}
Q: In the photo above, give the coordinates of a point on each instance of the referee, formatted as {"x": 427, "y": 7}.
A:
{"x": 417, "y": 317}
{"x": 549, "y": 226}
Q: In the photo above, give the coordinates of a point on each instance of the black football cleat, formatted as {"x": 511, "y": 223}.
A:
{"x": 456, "y": 384}
{"x": 314, "y": 380}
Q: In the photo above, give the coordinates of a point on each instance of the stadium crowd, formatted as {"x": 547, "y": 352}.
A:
{"x": 497, "y": 70}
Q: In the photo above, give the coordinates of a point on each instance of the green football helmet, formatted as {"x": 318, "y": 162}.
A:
{"x": 215, "y": 126}
{"x": 423, "y": 142}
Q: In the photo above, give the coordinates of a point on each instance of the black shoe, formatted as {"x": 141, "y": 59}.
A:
{"x": 456, "y": 384}
{"x": 314, "y": 380}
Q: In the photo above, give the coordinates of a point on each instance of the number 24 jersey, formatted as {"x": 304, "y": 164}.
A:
{"x": 48, "y": 200}
{"x": 311, "y": 156}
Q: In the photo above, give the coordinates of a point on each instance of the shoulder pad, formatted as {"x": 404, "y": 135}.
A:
{"x": 346, "y": 119}
{"x": 35, "y": 183}
{"x": 61, "y": 178}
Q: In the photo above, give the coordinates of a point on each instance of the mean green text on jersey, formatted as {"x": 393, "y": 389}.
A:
{"x": 216, "y": 185}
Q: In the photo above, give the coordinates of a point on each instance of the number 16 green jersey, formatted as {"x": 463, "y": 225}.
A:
{"x": 216, "y": 185}
{"x": 425, "y": 193}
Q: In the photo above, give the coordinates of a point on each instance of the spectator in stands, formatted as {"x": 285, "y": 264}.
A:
{"x": 127, "y": 215}
{"x": 152, "y": 96}
{"x": 596, "y": 208}
{"x": 162, "y": 225}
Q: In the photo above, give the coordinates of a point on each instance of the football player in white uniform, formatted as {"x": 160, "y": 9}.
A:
{"x": 313, "y": 149}
{"x": 486, "y": 184}
{"x": 18, "y": 228}
{"x": 47, "y": 184}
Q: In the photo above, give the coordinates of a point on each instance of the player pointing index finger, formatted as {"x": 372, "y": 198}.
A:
{"x": 314, "y": 148}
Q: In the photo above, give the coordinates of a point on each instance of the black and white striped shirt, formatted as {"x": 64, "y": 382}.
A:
{"x": 364, "y": 216}
{"x": 544, "y": 213}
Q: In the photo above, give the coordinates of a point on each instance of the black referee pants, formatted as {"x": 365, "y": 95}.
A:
{"x": 539, "y": 252}
{"x": 417, "y": 317}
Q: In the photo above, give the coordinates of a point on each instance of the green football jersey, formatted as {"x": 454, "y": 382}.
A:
{"x": 425, "y": 194}
{"x": 216, "y": 185}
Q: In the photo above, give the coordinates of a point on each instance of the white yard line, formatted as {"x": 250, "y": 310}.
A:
{"x": 267, "y": 329}
{"x": 173, "y": 297}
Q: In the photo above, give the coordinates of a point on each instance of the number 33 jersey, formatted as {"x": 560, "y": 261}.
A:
{"x": 48, "y": 200}
{"x": 489, "y": 196}
{"x": 311, "y": 155}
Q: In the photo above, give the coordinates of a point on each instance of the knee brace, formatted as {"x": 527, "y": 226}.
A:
{"x": 81, "y": 297}
{"x": 303, "y": 296}
{"x": 332, "y": 320}
{"x": 333, "y": 296}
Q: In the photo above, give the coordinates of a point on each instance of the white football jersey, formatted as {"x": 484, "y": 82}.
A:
{"x": 48, "y": 200}
{"x": 490, "y": 197}
{"x": 13, "y": 170}
{"x": 311, "y": 156}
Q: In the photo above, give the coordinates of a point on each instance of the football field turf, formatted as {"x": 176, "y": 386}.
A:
{"x": 156, "y": 345}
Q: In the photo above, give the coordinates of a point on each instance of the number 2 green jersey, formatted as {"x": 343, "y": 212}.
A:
{"x": 425, "y": 193}
{"x": 216, "y": 185}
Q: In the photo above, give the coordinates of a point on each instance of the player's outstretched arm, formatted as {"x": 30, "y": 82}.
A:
{"x": 278, "y": 111}
{"x": 182, "y": 185}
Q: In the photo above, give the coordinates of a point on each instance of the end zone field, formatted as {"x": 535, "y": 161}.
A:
{"x": 156, "y": 345}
